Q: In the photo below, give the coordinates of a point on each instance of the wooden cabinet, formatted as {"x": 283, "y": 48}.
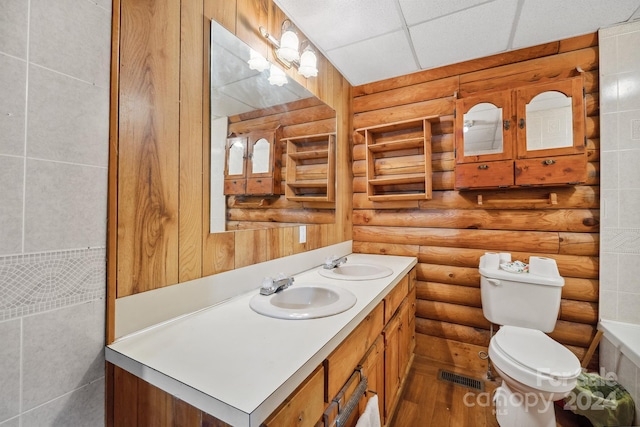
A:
{"x": 305, "y": 405}
{"x": 528, "y": 136}
{"x": 311, "y": 168}
{"x": 399, "y": 160}
{"x": 253, "y": 164}
{"x": 399, "y": 340}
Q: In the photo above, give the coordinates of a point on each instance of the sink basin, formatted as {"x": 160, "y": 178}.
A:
{"x": 304, "y": 301}
{"x": 356, "y": 271}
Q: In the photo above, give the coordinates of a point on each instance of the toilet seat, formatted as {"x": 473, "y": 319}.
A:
{"x": 532, "y": 358}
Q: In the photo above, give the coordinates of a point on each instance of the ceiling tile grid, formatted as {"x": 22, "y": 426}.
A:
{"x": 371, "y": 40}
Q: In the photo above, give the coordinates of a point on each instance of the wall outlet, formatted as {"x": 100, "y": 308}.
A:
{"x": 303, "y": 234}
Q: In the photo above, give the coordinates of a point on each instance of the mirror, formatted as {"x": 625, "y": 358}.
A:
{"x": 549, "y": 121}
{"x": 483, "y": 130}
{"x": 242, "y": 101}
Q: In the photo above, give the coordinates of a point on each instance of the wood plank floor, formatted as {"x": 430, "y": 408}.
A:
{"x": 427, "y": 401}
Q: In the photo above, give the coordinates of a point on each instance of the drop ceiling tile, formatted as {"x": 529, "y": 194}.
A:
{"x": 334, "y": 23}
{"x": 473, "y": 33}
{"x": 417, "y": 11}
{"x": 375, "y": 59}
{"x": 544, "y": 21}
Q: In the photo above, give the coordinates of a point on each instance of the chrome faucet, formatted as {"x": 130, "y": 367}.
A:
{"x": 333, "y": 262}
{"x": 271, "y": 286}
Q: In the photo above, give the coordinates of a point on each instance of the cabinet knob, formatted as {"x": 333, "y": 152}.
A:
{"x": 507, "y": 124}
{"x": 483, "y": 167}
{"x": 521, "y": 123}
{"x": 548, "y": 162}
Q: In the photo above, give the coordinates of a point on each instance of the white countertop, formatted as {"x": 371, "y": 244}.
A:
{"x": 238, "y": 365}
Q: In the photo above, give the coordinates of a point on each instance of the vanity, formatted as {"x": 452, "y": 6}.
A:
{"x": 248, "y": 369}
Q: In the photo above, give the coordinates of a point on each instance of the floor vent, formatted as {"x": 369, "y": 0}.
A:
{"x": 458, "y": 379}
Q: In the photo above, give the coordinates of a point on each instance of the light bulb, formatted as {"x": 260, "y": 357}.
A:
{"x": 257, "y": 62}
{"x": 289, "y": 46}
{"x": 277, "y": 77}
{"x": 308, "y": 64}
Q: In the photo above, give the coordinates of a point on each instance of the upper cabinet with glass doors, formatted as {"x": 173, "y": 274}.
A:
{"x": 253, "y": 164}
{"x": 527, "y": 136}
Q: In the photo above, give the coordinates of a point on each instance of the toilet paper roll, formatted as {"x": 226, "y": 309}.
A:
{"x": 490, "y": 260}
{"x": 505, "y": 257}
{"x": 542, "y": 266}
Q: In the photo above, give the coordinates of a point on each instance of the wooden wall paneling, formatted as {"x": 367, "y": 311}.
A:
{"x": 148, "y": 149}
{"x": 192, "y": 80}
{"x": 460, "y": 68}
{"x": 112, "y": 195}
{"x": 451, "y": 231}
{"x": 250, "y": 15}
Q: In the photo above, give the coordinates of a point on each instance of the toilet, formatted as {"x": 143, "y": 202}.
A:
{"x": 535, "y": 369}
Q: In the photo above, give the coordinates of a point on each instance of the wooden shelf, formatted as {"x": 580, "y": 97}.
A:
{"x": 392, "y": 150}
{"x": 310, "y": 168}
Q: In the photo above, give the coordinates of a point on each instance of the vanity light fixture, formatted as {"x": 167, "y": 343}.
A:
{"x": 277, "y": 77}
{"x": 287, "y": 50}
{"x": 257, "y": 62}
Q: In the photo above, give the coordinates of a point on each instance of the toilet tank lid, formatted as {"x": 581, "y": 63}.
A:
{"x": 497, "y": 273}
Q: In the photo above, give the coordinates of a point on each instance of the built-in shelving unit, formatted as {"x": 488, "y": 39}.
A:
{"x": 399, "y": 160}
{"x": 310, "y": 168}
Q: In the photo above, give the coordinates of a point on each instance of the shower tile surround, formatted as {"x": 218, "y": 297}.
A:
{"x": 54, "y": 118}
{"x": 620, "y": 194}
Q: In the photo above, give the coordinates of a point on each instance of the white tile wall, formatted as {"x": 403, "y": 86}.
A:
{"x": 620, "y": 198}
{"x": 54, "y": 121}
{"x": 619, "y": 173}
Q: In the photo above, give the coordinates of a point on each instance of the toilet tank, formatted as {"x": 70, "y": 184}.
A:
{"x": 529, "y": 300}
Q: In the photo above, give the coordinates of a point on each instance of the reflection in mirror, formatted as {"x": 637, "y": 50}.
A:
{"x": 260, "y": 158}
{"x": 483, "y": 130}
{"x": 236, "y": 158}
{"x": 243, "y": 101}
{"x": 549, "y": 121}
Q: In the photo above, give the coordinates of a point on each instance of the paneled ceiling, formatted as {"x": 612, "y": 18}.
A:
{"x": 371, "y": 40}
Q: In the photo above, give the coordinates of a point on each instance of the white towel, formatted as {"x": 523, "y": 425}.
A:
{"x": 371, "y": 415}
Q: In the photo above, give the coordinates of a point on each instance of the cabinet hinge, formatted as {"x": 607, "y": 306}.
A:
{"x": 455, "y": 153}
{"x": 454, "y": 113}
{"x": 585, "y": 140}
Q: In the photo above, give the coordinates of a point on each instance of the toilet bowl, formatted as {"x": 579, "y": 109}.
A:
{"x": 534, "y": 368}
{"x": 536, "y": 371}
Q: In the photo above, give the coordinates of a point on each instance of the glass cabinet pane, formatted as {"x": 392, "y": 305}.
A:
{"x": 549, "y": 121}
{"x": 260, "y": 159}
{"x": 482, "y": 130}
{"x": 235, "y": 162}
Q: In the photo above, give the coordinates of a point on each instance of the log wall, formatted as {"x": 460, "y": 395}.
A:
{"x": 451, "y": 231}
{"x": 300, "y": 118}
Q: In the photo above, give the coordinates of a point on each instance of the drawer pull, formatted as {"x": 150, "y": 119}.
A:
{"x": 548, "y": 162}
{"x": 483, "y": 167}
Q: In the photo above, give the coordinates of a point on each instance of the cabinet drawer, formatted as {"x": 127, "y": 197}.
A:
{"x": 552, "y": 170}
{"x": 340, "y": 364}
{"x": 484, "y": 174}
{"x": 394, "y": 298}
{"x": 305, "y": 405}
{"x": 234, "y": 186}
{"x": 260, "y": 186}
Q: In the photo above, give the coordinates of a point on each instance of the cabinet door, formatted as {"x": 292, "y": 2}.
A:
{"x": 305, "y": 405}
{"x": 235, "y": 168}
{"x": 484, "y": 128}
{"x": 391, "y": 365}
{"x": 551, "y": 119}
{"x": 263, "y": 169}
